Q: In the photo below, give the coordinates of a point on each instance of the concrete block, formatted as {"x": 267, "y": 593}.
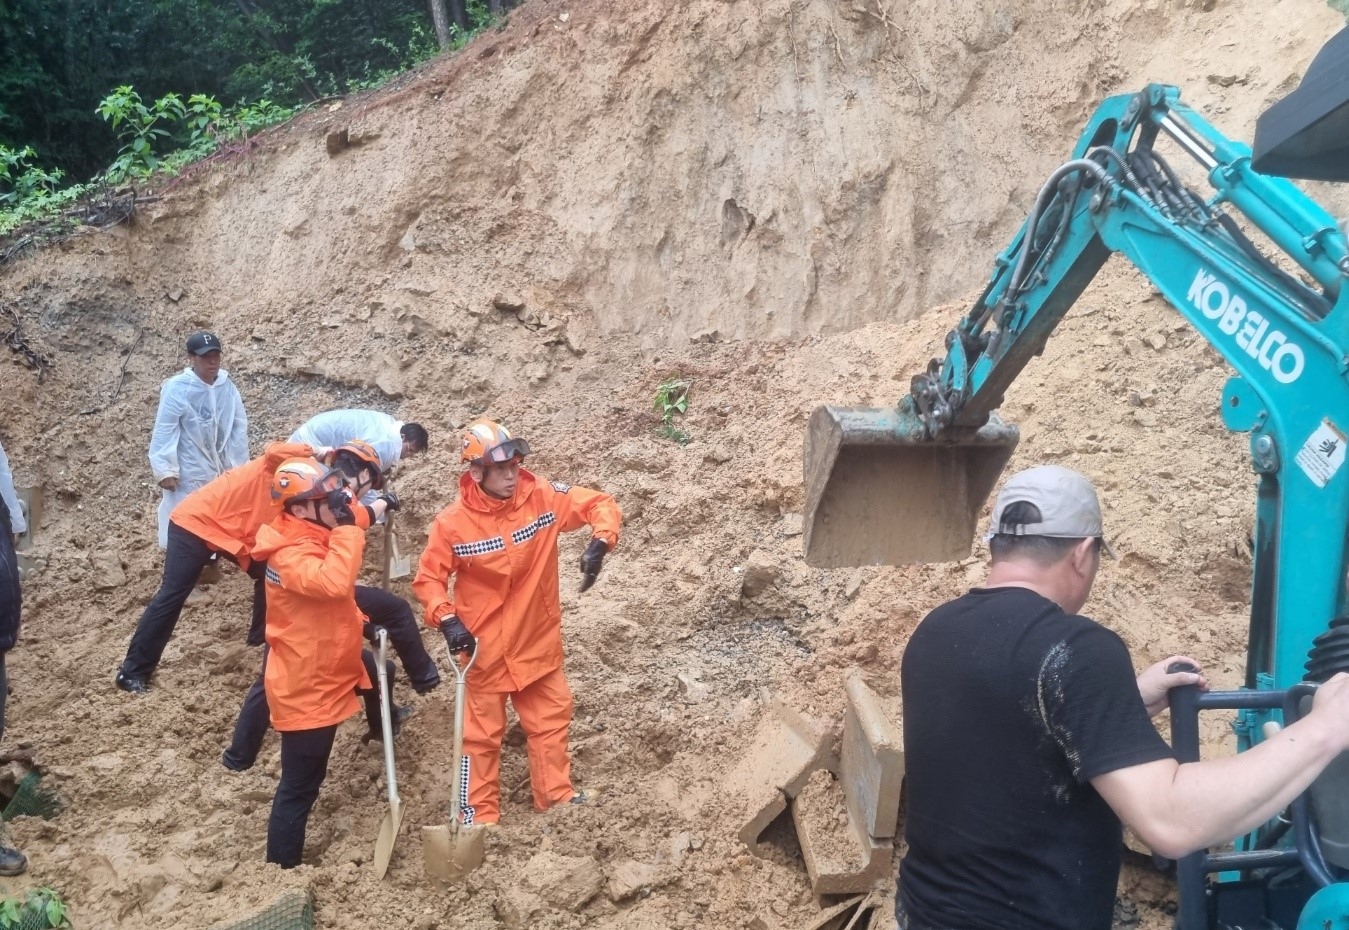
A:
{"x": 785, "y": 750}
{"x": 872, "y": 766}
{"x": 840, "y": 858}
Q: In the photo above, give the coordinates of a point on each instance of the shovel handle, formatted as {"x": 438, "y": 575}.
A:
{"x": 457, "y": 760}
{"x": 386, "y": 712}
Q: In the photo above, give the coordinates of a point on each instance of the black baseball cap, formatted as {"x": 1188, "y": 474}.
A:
{"x": 201, "y": 343}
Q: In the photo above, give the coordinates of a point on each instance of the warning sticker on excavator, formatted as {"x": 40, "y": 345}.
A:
{"x": 1322, "y": 454}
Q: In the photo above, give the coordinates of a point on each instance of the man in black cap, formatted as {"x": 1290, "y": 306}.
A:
{"x": 1027, "y": 738}
{"x": 200, "y": 431}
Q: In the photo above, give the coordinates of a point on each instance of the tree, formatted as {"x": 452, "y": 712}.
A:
{"x": 442, "y": 23}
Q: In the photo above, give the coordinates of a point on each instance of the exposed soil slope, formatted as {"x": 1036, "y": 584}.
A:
{"x": 762, "y": 196}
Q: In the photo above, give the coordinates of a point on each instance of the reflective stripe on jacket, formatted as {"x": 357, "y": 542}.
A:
{"x": 503, "y": 556}
{"x": 228, "y": 512}
{"x": 313, "y": 623}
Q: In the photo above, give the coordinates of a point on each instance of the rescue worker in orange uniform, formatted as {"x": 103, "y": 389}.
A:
{"x": 315, "y": 665}
{"x": 498, "y": 541}
{"x": 359, "y": 464}
{"x": 222, "y": 518}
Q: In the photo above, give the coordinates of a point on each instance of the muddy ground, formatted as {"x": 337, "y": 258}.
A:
{"x": 788, "y": 203}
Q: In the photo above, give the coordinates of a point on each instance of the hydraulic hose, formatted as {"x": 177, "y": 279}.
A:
{"x": 1046, "y": 194}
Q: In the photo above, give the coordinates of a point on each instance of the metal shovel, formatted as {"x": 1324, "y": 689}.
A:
{"x": 396, "y": 565}
{"x": 453, "y": 850}
{"x": 388, "y": 830}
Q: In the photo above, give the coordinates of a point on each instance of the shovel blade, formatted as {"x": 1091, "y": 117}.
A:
{"x": 449, "y": 854}
{"x": 400, "y": 566}
{"x": 388, "y": 834}
{"x": 879, "y": 492}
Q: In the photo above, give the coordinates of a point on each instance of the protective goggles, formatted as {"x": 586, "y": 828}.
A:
{"x": 506, "y": 451}
{"x": 334, "y": 480}
{"x": 353, "y": 466}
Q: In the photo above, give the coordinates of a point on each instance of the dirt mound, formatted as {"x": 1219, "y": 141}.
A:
{"x": 537, "y": 229}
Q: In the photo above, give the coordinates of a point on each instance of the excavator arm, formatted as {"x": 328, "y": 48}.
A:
{"x": 1288, "y": 342}
{"x": 1282, "y": 326}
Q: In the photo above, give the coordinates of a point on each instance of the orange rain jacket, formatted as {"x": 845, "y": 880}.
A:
{"x": 503, "y": 556}
{"x": 227, "y": 512}
{"x": 313, "y": 623}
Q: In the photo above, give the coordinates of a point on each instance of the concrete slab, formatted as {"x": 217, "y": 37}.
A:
{"x": 839, "y": 857}
{"x": 872, "y": 765}
{"x": 786, "y": 748}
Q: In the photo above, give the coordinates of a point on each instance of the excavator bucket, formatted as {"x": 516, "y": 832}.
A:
{"x": 879, "y": 492}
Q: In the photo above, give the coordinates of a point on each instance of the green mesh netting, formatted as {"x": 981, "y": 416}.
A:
{"x": 32, "y": 800}
{"x": 40, "y": 910}
{"x": 30, "y": 919}
{"x": 294, "y": 910}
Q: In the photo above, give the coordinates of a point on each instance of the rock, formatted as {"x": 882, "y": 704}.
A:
{"x": 409, "y": 242}
{"x": 691, "y": 689}
{"x": 537, "y": 373}
{"x": 573, "y": 343}
{"x": 1156, "y": 340}
{"x": 718, "y": 456}
{"x": 337, "y": 142}
{"x": 565, "y": 882}
{"x": 792, "y": 524}
{"x": 761, "y": 573}
{"x": 175, "y": 294}
{"x": 1225, "y": 80}
{"x": 853, "y": 586}
{"x": 107, "y": 570}
{"x": 390, "y": 383}
{"x": 508, "y": 303}
{"x": 517, "y": 908}
{"x": 628, "y": 879}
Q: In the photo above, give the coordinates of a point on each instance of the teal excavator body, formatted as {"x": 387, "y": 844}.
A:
{"x": 1284, "y": 331}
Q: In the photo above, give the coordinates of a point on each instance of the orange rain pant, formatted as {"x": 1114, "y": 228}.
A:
{"x": 544, "y": 708}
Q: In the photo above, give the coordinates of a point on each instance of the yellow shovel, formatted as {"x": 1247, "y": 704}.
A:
{"x": 388, "y": 830}
{"x": 453, "y": 850}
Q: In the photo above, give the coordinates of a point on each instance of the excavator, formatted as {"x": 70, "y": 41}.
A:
{"x": 907, "y": 484}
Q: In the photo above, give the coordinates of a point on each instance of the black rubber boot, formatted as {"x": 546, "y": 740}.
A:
{"x": 12, "y": 862}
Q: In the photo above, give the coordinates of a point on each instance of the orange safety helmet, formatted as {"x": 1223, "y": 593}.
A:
{"x": 365, "y": 456}
{"x": 487, "y": 440}
{"x": 304, "y": 480}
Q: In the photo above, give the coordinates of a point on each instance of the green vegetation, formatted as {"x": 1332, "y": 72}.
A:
{"x": 672, "y": 400}
{"x": 91, "y": 90}
{"x": 39, "y": 909}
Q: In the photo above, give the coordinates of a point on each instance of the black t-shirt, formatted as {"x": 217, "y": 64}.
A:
{"x": 1011, "y": 707}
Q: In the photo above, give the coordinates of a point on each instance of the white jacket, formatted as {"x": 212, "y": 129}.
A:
{"x": 200, "y": 433}
{"x": 17, "y": 522}
{"x": 336, "y": 427}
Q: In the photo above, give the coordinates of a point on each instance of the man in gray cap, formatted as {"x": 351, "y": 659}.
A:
{"x": 1027, "y": 738}
{"x": 200, "y": 431}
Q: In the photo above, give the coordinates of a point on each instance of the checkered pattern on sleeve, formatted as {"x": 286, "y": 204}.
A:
{"x": 482, "y": 547}
{"x": 525, "y": 533}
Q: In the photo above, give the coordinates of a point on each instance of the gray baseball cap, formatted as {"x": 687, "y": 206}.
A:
{"x": 1066, "y": 501}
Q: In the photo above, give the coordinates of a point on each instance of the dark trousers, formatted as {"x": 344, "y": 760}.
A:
{"x": 184, "y": 558}
{"x": 255, "y": 716}
{"x": 304, "y": 765}
{"x": 384, "y": 609}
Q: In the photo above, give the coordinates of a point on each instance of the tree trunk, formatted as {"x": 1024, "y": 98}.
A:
{"x": 442, "y": 21}
{"x": 251, "y": 16}
{"x": 459, "y": 13}
{"x": 495, "y": 7}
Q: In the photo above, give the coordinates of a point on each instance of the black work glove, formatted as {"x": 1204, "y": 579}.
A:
{"x": 371, "y": 632}
{"x": 390, "y": 499}
{"x": 457, "y": 636}
{"x": 340, "y": 505}
{"x": 592, "y": 560}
